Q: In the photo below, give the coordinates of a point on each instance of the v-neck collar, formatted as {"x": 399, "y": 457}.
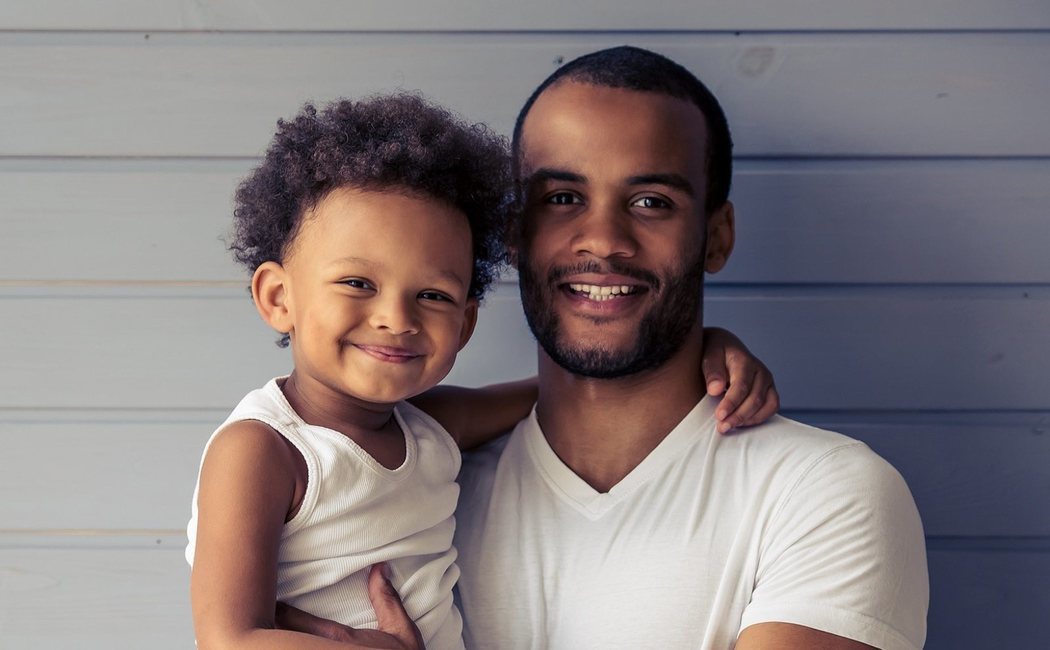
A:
{"x": 592, "y": 504}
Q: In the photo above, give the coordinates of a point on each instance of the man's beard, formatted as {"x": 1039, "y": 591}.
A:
{"x": 661, "y": 333}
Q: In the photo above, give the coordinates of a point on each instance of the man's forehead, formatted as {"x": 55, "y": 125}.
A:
{"x": 573, "y": 124}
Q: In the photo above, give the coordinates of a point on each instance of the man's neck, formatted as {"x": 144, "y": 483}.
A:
{"x": 603, "y": 428}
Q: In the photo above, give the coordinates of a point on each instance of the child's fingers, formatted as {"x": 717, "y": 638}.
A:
{"x": 390, "y": 612}
{"x": 760, "y": 404}
{"x": 770, "y": 406}
{"x": 714, "y": 369}
{"x": 739, "y": 389}
{"x": 291, "y": 618}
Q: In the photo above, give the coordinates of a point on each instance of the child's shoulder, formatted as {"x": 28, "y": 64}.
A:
{"x": 251, "y": 441}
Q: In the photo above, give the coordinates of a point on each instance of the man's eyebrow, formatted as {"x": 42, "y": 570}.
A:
{"x": 676, "y": 181}
{"x": 551, "y": 174}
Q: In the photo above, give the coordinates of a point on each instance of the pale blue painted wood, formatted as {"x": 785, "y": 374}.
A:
{"x": 585, "y": 15}
{"x": 94, "y": 597}
{"x": 899, "y": 348}
{"x": 891, "y": 222}
{"x": 905, "y": 357}
{"x": 969, "y": 94}
{"x": 988, "y": 599}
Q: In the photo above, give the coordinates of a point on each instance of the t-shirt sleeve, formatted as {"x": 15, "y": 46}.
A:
{"x": 844, "y": 553}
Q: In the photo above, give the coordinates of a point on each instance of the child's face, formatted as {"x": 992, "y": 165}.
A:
{"x": 376, "y": 293}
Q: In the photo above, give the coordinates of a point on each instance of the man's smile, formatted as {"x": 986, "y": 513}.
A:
{"x": 599, "y": 292}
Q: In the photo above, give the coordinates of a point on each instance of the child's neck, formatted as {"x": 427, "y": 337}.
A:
{"x": 370, "y": 425}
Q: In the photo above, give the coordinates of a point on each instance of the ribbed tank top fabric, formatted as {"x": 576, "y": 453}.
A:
{"x": 355, "y": 512}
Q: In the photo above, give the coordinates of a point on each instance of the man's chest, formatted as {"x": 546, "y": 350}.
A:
{"x": 539, "y": 573}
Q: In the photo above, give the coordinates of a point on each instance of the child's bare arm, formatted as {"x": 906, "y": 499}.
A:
{"x": 246, "y": 491}
{"x": 476, "y": 415}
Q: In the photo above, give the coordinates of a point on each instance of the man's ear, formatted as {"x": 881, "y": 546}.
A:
{"x": 470, "y": 319}
{"x": 271, "y": 296}
{"x": 721, "y": 235}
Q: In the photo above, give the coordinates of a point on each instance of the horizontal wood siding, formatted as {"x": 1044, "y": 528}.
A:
{"x": 511, "y": 16}
{"x": 971, "y": 94}
{"x": 892, "y": 189}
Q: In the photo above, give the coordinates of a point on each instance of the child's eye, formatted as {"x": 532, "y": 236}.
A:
{"x": 651, "y": 202}
{"x": 436, "y": 296}
{"x": 357, "y": 283}
{"x": 563, "y": 198}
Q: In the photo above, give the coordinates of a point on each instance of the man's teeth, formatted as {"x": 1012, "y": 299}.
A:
{"x": 600, "y": 293}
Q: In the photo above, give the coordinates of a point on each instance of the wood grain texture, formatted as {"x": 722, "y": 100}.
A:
{"x": 868, "y": 222}
{"x": 891, "y": 190}
{"x": 967, "y": 94}
{"x": 988, "y": 599}
{"x": 94, "y": 598}
{"x": 459, "y": 15}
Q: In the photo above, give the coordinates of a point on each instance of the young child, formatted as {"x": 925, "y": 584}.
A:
{"x": 372, "y": 229}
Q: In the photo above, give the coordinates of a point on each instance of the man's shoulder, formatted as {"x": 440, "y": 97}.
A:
{"x": 799, "y": 451}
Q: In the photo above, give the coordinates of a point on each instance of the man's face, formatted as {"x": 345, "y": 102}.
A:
{"x": 613, "y": 249}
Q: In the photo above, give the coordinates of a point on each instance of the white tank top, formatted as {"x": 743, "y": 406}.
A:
{"x": 355, "y": 512}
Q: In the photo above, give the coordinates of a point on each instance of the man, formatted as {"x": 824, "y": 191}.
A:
{"x": 615, "y": 516}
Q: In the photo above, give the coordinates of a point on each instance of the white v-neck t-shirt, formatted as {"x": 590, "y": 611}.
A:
{"x": 707, "y": 535}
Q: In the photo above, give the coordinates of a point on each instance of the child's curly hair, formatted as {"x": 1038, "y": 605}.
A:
{"x": 397, "y": 142}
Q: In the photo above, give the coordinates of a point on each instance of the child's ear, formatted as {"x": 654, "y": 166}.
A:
{"x": 721, "y": 235}
{"x": 470, "y": 319}
{"x": 270, "y": 292}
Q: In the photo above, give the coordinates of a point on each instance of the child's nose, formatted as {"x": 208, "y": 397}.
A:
{"x": 395, "y": 314}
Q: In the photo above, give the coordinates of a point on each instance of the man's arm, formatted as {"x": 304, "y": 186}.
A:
{"x": 843, "y": 554}
{"x": 786, "y": 636}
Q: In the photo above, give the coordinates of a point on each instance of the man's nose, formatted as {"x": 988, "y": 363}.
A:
{"x": 605, "y": 231}
{"x": 395, "y": 314}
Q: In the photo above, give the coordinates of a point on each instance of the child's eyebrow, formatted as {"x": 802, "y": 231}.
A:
{"x": 350, "y": 259}
{"x": 446, "y": 274}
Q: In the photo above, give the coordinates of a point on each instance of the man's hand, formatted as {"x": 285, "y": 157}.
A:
{"x": 752, "y": 397}
{"x": 396, "y": 630}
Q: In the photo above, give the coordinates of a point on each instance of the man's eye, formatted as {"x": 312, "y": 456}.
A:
{"x": 563, "y": 198}
{"x": 357, "y": 283}
{"x": 435, "y": 295}
{"x": 651, "y": 202}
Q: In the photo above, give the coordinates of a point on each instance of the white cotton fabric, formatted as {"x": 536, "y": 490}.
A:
{"x": 355, "y": 512}
{"x": 708, "y": 535}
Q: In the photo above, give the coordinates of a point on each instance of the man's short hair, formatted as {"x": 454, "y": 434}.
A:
{"x": 633, "y": 68}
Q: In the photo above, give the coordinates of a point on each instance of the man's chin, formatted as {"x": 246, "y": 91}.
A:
{"x": 598, "y": 362}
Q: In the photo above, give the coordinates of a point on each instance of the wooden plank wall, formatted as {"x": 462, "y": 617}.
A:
{"x": 893, "y": 191}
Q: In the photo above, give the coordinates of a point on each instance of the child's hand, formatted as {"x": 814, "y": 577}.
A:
{"x": 396, "y": 630}
{"x": 752, "y": 398}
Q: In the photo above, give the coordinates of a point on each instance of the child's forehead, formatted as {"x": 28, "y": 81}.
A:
{"x": 385, "y": 222}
